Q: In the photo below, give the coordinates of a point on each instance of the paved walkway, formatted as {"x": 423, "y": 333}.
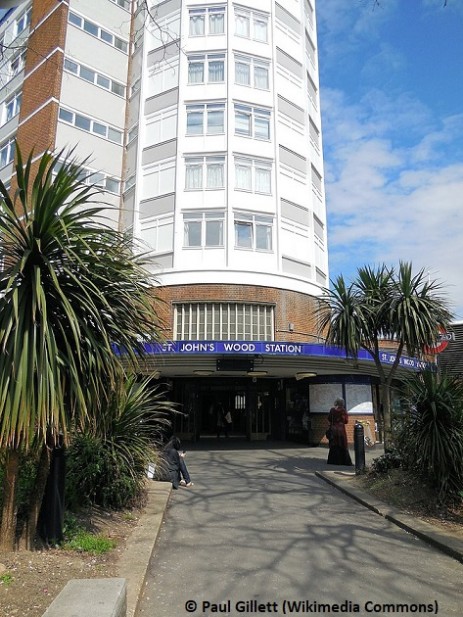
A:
{"x": 260, "y": 530}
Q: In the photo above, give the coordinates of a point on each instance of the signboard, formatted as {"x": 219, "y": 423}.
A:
{"x": 442, "y": 342}
{"x": 270, "y": 348}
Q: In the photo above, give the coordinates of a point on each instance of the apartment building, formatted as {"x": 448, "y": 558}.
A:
{"x": 201, "y": 121}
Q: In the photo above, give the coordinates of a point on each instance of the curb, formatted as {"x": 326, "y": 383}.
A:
{"x": 134, "y": 561}
{"x": 427, "y": 532}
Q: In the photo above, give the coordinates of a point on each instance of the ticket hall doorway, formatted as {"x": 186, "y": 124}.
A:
{"x": 251, "y": 405}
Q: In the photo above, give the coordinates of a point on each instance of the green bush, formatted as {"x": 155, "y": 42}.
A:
{"x": 108, "y": 455}
{"x": 431, "y": 438}
{"x": 386, "y": 462}
{"x": 26, "y": 480}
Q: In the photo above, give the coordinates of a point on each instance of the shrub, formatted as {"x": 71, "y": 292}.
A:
{"x": 386, "y": 462}
{"x": 431, "y": 439}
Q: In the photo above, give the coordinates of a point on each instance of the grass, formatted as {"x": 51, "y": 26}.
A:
{"x": 6, "y": 579}
{"x": 86, "y": 542}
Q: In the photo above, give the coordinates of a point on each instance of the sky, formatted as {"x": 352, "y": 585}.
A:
{"x": 391, "y": 87}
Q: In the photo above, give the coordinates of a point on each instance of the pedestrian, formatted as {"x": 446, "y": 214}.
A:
{"x": 223, "y": 420}
{"x": 175, "y": 466}
{"x": 338, "y": 418}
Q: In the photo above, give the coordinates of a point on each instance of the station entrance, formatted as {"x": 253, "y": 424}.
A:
{"x": 253, "y": 407}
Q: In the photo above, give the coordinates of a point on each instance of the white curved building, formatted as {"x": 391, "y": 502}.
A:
{"x": 202, "y": 123}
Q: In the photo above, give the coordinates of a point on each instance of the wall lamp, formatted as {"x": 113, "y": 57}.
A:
{"x": 299, "y": 376}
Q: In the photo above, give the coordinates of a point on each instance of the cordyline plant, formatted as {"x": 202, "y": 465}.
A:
{"x": 70, "y": 288}
{"x": 383, "y": 304}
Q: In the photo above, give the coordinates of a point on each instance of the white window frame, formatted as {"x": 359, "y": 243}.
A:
{"x": 99, "y": 79}
{"x": 156, "y": 175}
{"x": 206, "y": 60}
{"x": 254, "y": 114}
{"x": 157, "y": 226}
{"x": 96, "y": 127}
{"x": 252, "y": 18}
{"x": 224, "y": 321}
{"x": 206, "y": 109}
{"x": 97, "y": 31}
{"x": 254, "y": 64}
{"x": 203, "y": 165}
{"x": 203, "y": 222}
{"x": 254, "y": 166}
{"x": 255, "y": 224}
{"x": 20, "y": 59}
{"x": 7, "y": 152}
{"x": 205, "y": 14}
{"x": 11, "y": 107}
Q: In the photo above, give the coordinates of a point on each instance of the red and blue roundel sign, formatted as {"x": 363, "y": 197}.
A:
{"x": 441, "y": 343}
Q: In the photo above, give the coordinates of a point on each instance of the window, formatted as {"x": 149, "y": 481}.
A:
{"x": 225, "y": 321}
{"x": 11, "y": 108}
{"x": 253, "y": 175}
{"x": 159, "y": 179}
{"x": 253, "y": 231}
{"x": 208, "y": 68}
{"x": 125, "y": 4}
{"x": 90, "y": 126}
{"x": 206, "y": 119}
{"x": 158, "y": 233}
{"x": 252, "y": 122}
{"x": 6, "y": 153}
{"x": 205, "y": 172}
{"x": 203, "y": 229}
{"x": 22, "y": 22}
{"x": 17, "y": 64}
{"x": 95, "y": 30}
{"x": 251, "y": 25}
{"x": 208, "y": 20}
{"x": 251, "y": 72}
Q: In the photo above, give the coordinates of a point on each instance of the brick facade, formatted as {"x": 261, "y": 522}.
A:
{"x": 291, "y": 307}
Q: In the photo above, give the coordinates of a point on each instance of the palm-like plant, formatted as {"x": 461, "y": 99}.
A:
{"x": 384, "y": 304}
{"x": 431, "y": 440}
{"x": 111, "y": 448}
{"x": 70, "y": 287}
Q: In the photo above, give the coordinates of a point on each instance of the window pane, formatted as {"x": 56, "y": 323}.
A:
{"x": 100, "y": 129}
{"x": 75, "y": 19}
{"x": 216, "y": 70}
{"x": 242, "y": 73}
{"x": 215, "y": 122}
{"x": 215, "y": 177}
{"x": 242, "y": 25}
{"x": 82, "y": 122}
{"x": 90, "y": 28}
{"x": 120, "y": 44}
{"x": 73, "y": 67}
{"x": 87, "y": 74}
{"x": 261, "y": 77}
{"x": 103, "y": 81}
{"x": 262, "y": 128}
{"x": 117, "y": 88}
{"x": 196, "y": 73}
{"x": 194, "y": 177}
{"x": 196, "y": 25}
{"x": 243, "y": 177}
{"x": 214, "y": 233}
{"x": 263, "y": 179}
{"x": 192, "y": 233}
{"x": 260, "y": 30}
{"x": 65, "y": 115}
{"x": 194, "y": 123}
{"x": 112, "y": 185}
{"x": 216, "y": 23}
{"x": 115, "y": 136}
{"x": 263, "y": 237}
{"x": 242, "y": 123}
{"x": 243, "y": 234}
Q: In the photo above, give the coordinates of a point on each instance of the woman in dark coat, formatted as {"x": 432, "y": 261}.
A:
{"x": 338, "y": 418}
{"x": 171, "y": 458}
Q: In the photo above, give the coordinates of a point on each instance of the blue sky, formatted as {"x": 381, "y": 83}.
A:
{"x": 392, "y": 114}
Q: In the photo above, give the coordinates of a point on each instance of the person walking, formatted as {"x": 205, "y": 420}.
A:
{"x": 223, "y": 420}
{"x": 338, "y": 418}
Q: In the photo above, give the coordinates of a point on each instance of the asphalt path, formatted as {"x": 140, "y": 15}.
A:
{"x": 260, "y": 534}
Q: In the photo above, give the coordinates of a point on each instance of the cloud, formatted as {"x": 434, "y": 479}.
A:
{"x": 392, "y": 199}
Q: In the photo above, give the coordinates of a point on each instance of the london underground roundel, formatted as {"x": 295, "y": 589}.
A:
{"x": 441, "y": 343}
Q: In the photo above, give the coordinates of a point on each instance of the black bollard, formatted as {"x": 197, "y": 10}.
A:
{"x": 359, "y": 447}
